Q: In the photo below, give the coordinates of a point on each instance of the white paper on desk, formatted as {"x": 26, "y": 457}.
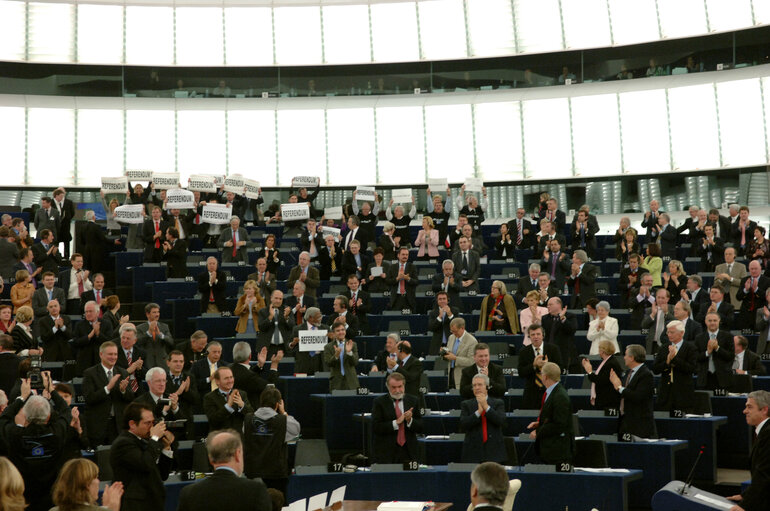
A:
{"x": 603, "y": 470}
{"x": 401, "y": 195}
{"x": 401, "y": 505}
{"x": 317, "y": 501}
{"x": 713, "y": 501}
{"x": 473, "y": 184}
{"x": 338, "y": 495}
{"x": 436, "y": 437}
{"x": 298, "y": 505}
{"x": 376, "y": 271}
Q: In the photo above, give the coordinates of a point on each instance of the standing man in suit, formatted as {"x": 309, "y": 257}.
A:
{"x": 265, "y": 281}
{"x": 311, "y": 240}
{"x": 74, "y": 281}
{"x": 716, "y": 352}
{"x": 95, "y": 243}
{"x": 55, "y": 332}
{"x": 554, "y": 215}
{"x": 9, "y": 254}
{"x": 253, "y": 379}
{"x": 141, "y": 458}
{"x": 131, "y": 358}
{"x": 743, "y": 230}
{"x": 212, "y": 284}
{"x": 448, "y": 282}
{"x": 494, "y": 372}
{"x": 459, "y": 351}
{"x": 298, "y": 302}
{"x": 182, "y": 383}
{"x": 46, "y": 253}
{"x": 359, "y": 303}
{"x": 668, "y": 236}
{"x": 181, "y": 224}
{"x": 583, "y": 234}
{"x": 66, "y": 210}
{"x": 234, "y": 242}
{"x": 48, "y": 218}
{"x": 353, "y": 261}
{"x": 396, "y": 420}
{"x": 531, "y": 361}
{"x": 482, "y": 419}
{"x": 757, "y": 412}
{"x": 226, "y": 406}
{"x": 354, "y": 233}
{"x": 153, "y": 231}
{"x": 582, "y": 278}
{"x": 629, "y": 279}
{"x": 559, "y": 327}
{"x": 106, "y": 391}
{"x": 275, "y": 325}
{"x": 656, "y": 318}
{"x": 719, "y": 305}
{"x": 637, "y": 391}
{"x": 175, "y": 255}
{"x": 154, "y": 337}
{"x": 552, "y": 432}
{"x": 88, "y": 337}
{"x": 556, "y": 263}
{"x": 746, "y": 361}
{"x": 721, "y": 224}
{"x": 410, "y": 367}
{"x": 695, "y": 296}
{"x": 729, "y": 275}
{"x": 489, "y": 486}
{"x": 676, "y": 362}
{"x": 156, "y": 390}
{"x": 521, "y": 230}
{"x": 309, "y": 362}
{"x": 468, "y": 264}
{"x": 651, "y": 219}
{"x": 342, "y": 314}
{"x": 526, "y": 284}
{"x": 402, "y": 279}
{"x": 752, "y": 292}
{"x": 45, "y": 293}
{"x": 97, "y": 294}
{"x": 692, "y": 328}
{"x": 203, "y": 370}
{"x": 439, "y": 320}
{"x": 341, "y": 357}
{"x": 306, "y": 274}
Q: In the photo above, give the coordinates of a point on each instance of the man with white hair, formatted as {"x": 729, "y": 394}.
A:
{"x": 676, "y": 362}
{"x": 211, "y": 285}
{"x": 254, "y": 378}
{"x": 582, "y": 278}
{"x": 306, "y": 274}
{"x": 489, "y": 486}
{"x": 95, "y": 243}
{"x": 752, "y": 292}
{"x": 234, "y": 242}
{"x": 756, "y": 495}
{"x": 449, "y": 282}
{"x": 651, "y": 219}
{"x": 668, "y": 236}
{"x": 164, "y": 405}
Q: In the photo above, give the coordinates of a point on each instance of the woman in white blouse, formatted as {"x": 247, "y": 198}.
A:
{"x": 603, "y": 328}
{"x": 531, "y": 315}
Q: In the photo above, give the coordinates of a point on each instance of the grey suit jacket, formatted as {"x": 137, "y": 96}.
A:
{"x": 40, "y": 300}
{"x": 47, "y": 221}
{"x": 649, "y": 323}
{"x": 158, "y": 349}
{"x": 738, "y": 272}
{"x": 227, "y": 252}
{"x": 464, "y": 354}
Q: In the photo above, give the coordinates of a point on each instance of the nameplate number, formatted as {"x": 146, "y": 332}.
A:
{"x": 226, "y": 314}
{"x": 403, "y": 332}
{"x": 677, "y": 414}
{"x": 499, "y": 331}
{"x": 747, "y": 331}
{"x": 406, "y": 311}
{"x": 625, "y": 437}
{"x": 188, "y": 278}
{"x": 501, "y": 356}
{"x": 423, "y": 390}
{"x": 429, "y": 292}
{"x": 720, "y": 392}
{"x": 611, "y": 412}
{"x": 411, "y": 465}
{"x": 334, "y": 467}
{"x": 362, "y": 391}
{"x": 510, "y": 371}
{"x": 472, "y": 293}
{"x": 765, "y": 356}
{"x": 564, "y": 467}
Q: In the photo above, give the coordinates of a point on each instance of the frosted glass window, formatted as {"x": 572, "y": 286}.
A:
{"x": 301, "y": 145}
{"x": 596, "y": 135}
{"x": 350, "y": 134}
{"x": 539, "y": 25}
{"x": 12, "y": 135}
{"x": 249, "y": 35}
{"x": 645, "y": 131}
{"x": 51, "y": 32}
{"x": 100, "y": 145}
{"x": 150, "y": 140}
{"x": 741, "y": 128}
{"x": 13, "y": 22}
{"x": 547, "y": 145}
{"x": 729, "y": 14}
{"x": 586, "y": 24}
{"x": 251, "y": 144}
{"x": 633, "y": 22}
{"x": 394, "y": 32}
{"x": 100, "y": 34}
{"x": 346, "y": 34}
{"x": 200, "y": 139}
{"x": 449, "y": 131}
{"x": 51, "y": 146}
{"x": 400, "y": 147}
{"x": 442, "y": 29}
{"x": 694, "y": 136}
{"x": 490, "y": 27}
{"x": 682, "y": 18}
{"x": 149, "y": 35}
{"x": 297, "y": 35}
{"x": 199, "y": 36}
{"x": 498, "y": 141}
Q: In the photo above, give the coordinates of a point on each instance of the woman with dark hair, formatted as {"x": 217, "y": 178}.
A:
{"x": 627, "y": 245}
{"x": 6, "y": 320}
{"x": 271, "y": 255}
{"x": 654, "y": 263}
{"x": 759, "y": 248}
{"x": 374, "y": 276}
{"x": 111, "y": 314}
{"x": 77, "y": 488}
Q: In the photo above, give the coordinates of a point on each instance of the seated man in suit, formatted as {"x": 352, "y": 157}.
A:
{"x": 226, "y": 406}
{"x": 494, "y": 372}
{"x": 265, "y": 281}
{"x": 716, "y": 353}
{"x": 450, "y": 283}
{"x": 482, "y": 419}
{"x": 552, "y": 432}
{"x": 45, "y": 293}
{"x": 203, "y": 370}
{"x": 253, "y": 379}
{"x": 439, "y": 320}
{"x": 396, "y": 420}
{"x": 234, "y": 242}
{"x": 402, "y": 279}
{"x": 387, "y": 359}
{"x": 342, "y": 315}
{"x": 531, "y": 361}
{"x": 468, "y": 265}
{"x": 309, "y": 362}
{"x": 582, "y": 278}
{"x": 299, "y": 301}
{"x": 175, "y": 255}
{"x": 211, "y": 285}
{"x": 637, "y": 391}
{"x": 459, "y": 351}
{"x": 676, "y": 362}
{"x": 757, "y": 412}
{"x": 717, "y": 304}
{"x": 359, "y": 303}
{"x": 489, "y": 486}
{"x": 629, "y": 279}
{"x": 275, "y": 325}
{"x": 746, "y": 361}
{"x": 306, "y": 274}
{"x": 341, "y": 357}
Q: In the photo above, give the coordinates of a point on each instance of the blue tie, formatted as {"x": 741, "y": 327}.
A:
{"x": 312, "y": 353}
{"x": 455, "y": 348}
{"x": 342, "y": 358}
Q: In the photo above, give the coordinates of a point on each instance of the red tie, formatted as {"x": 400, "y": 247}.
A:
{"x": 353, "y": 307}
{"x": 157, "y": 240}
{"x": 542, "y": 404}
{"x": 577, "y": 286}
{"x": 235, "y": 246}
{"x": 132, "y": 381}
{"x": 401, "y": 436}
{"x": 402, "y": 283}
{"x": 484, "y": 426}
{"x": 519, "y": 235}
{"x": 81, "y": 287}
{"x": 99, "y": 301}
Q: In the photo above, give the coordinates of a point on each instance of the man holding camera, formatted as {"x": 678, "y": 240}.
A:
{"x": 164, "y": 406}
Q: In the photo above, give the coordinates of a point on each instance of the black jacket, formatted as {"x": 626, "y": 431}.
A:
{"x": 606, "y": 395}
{"x": 475, "y": 450}
{"x": 224, "y": 491}
{"x": 497, "y": 385}
{"x": 533, "y": 393}
{"x": 142, "y": 468}
{"x": 205, "y": 289}
{"x": 384, "y": 436}
{"x": 638, "y": 417}
{"x": 440, "y": 328}
{"x": 676, "y": 394}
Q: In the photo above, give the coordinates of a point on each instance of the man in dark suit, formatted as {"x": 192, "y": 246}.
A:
{"x": 582, "y": 278}
{"x": 482, "y": 419}
{"x": 359, "y": 303}
{"x": 342, "y": 314}
{"x": 88, "y": 337}
{"x": 752, "y": 293}
{"x": 341, "y": 357}
{"x": 489, "y": 486}
{"x": 637, "y": 391}
{"x": 9, "y": 364}
{"x": 182, "y": 383}
{"x": 9, "y": 254}
{"x": 676, "y": 362}
{"x": 226, "y": 406}
{"x": 311, "y": 240}
{"x": 692, "y": 328}
{"x": 494, "y": 372}
{"x": 448, "y": 282}
{"x": 526, "y": 284}
{"x": 721, "y": 224}
{"x": 45, "y": 293}
{"x": 402, "y": 279}
{"x": 689, "y": 225}
{"x": 410, "y": 367}
{"x": 106, "y": 391}
{"x": 275, "y": 325}
{"x": 531, "y": 360}
{"x": 309, "y": 362}
{"x": 556, "y": 263}
{"x": 330, "y": 253}
{"x": 141, "y": 459}
{"x": 552, "y": 432}
{"x": 655, "y": 320}
{"x": 554, "y": 215}
{"x": 583, "y": 234}
{"x": 651, "y": 219}
{"x": 47, "y": 217}
{"x": 265, "y": 281}
{"x": 559, "y": 327}
{"x": 439, "y": 319}
{"x": 641, "y": 297}
{"x": 253, "y": 379}
{"x": 234, "y": 242}
{"x": 305, "y": 273}
{"x": 180, "y": 223}
{"x": 755, "y": 497}
{"x": 548, "y": 233}
{"x": 95, "y": 243}
{"x": 629, "y": 279}
{"x": 66, "y": 210}
{"x": 97, "y": 294}
{"x": 298, "y": 302}
{"x": 203, "y": 369}
{"x": 175, "y": 255}
{"x": 354, "y": 262}
{"x": 170, "y": 411}
{"x": 194, "y": 349}
{"x": 225, "y": 489}
{"x": 668, "y": 237}
{"x": 212, "y": 284}
{"x": 467, "y": 264}
{"x": 743, "y": 230}
{"x": 716, "y": 353}
{"x": 46, "y": 254}
{"x": 521, "y": 230}
{"x": 55, "y": 332}
{"x": 746, "y": 361}
{"x": 396, "y": 420}
{"x": 695, "y": 295}
{"x": 718, "y": 304}
{"x": 153, "y": 231}
{"x": 131, "y": 358}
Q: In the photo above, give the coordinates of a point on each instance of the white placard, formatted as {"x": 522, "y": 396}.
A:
{"x": 129, "y": 214}
{"x": 376, "y": 271}
{"x": 234, "y": 184}
{"x": 202, "y": 183}
{"x": 114, "y": 184}
{"x": 219, "y": 179}
{"x": 216, "y": 214}
{"x": 438, "y": 184}
{"x": 296, "y": 211}
{"x": 180, "y": 199}
{"x": 365, "y": 193}
{"x": 251, "y": 188}
{"x": 402, "y": 195}
{"x": 317, "y": 501}
{"x": 313, "y": 340}
{"x": 139, "y": 175}
{"x": 334, "y": 212}
{"x": 326, "y": 230}
{"x": 165, "y": 181}
{"x": 473, "y": 184}
{"x": 305, "y": 181}
{"x": 338, "y": 495}
{"x": 298, "y": 505}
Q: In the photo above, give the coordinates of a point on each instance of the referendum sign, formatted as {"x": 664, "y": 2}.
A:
{"x": 165, "y": 181}
{"x": 216, "y": 214}
{"x": 305, "y": 181}
{"x": 180, "y": 199}
{"x": 129, "y": 214}
{"x": 298, "y": 211}
{"x": 312, "y": 340}
{"x": 139, "y": 175}
{"x": 473, "y": 184}
{"x": 251, "y": 188}
{"x": 334, "y": 212}
{"x": 234, "y": 184}
{"x": 326, "y": 230}
{"x": 401, "y": 195}
{"x": 202, "y": 183}
{"x": 114, "y": 184}
{"x": 365, "y": 193}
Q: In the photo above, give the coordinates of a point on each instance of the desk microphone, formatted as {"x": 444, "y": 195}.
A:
{"x": 688, "y": 482}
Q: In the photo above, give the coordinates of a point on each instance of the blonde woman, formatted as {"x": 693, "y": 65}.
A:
{"x": 249, "y": 303}
{"x": 603, "y": 328}
{"x": 21, "y": 292}
{"x": 77, "y": 488}
{"x": 532, "y": 315}
{"x": 11, "y": 487}
{"x": 23, "y": 341}
{"x": 427, "y": 240}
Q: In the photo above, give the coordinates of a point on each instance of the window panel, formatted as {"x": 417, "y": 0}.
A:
{"x": 297, "y": 35}
{"x": 301, "y": 145}
{"x": 498, "y": 140}
{"x": 249, "y": 33}
{"x": 538, "y": 24}
{"x": 694, "y": 136}
{"x": 51, "y": 146}
{"x": 51, "y": 32}
{"x": 200, "y": 142}
{"x": 547, "y": 145}
{"x": 346, "y": 34}
{"x": 12, "y": 134}
{"x": 394, "y": 32}
{"x": 596, "y": 135}
{"x": 761, "y": 10}
{"x": 633, "y": 22}
{"x": 199, "y": 36}
{"x": 251, "y": 144}
{"x": 150, "y": 140}
{"x": 586, "y": 24}
{"x": 13, "y": 22}
{"x": 400, "y": 147}
{"x": 100, "y": 34}
{"x": 645, "y": 131}
{"x": 490, "y": 27}
{"x": 729, "y": 14}
{"x": 442, "y": 29}
{"x": 741, "y": 127}
{"x": 449, "y": 131}
{"x": 100, "y": 145}
{"x": 350, "y": 135}
{"x": 682, "y": 18}
{"x": 149, "y": 35}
